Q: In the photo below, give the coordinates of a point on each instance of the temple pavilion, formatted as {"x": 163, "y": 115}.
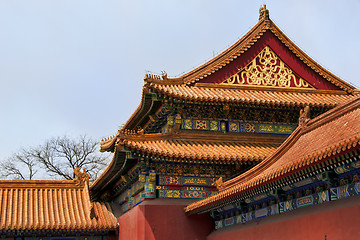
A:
{"x": 260, "y": 142}
{"x": 211, "y": 149}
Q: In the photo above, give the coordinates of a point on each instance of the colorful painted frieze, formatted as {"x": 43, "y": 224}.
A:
{"x": 305, "y": 201}
{"x": 185, "y": 193}
{"x": 264, "y": 128}
{"x": 201, "y": 124}
{"x": 186, "y": 181}
{"x": 237, "y": 126}
{"x": 345, "y": 191}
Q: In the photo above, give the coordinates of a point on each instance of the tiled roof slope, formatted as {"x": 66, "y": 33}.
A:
{"x": 327, "y": 135}
{"x": 197, "y": 146}
{"x": 251, "y": 96}
{"x": 34, "y": 205}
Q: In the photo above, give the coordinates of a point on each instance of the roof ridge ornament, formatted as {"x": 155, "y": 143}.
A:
{"x": 219, "y": 184}
{"x": 164, "y": 75}
{"x": 263, "y": 13}
{"x": 81, "y": 177}
{"x": 304, "y": 116}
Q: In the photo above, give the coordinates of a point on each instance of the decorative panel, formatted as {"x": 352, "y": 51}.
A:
{"x": 200, "y": 124}
{"x": 305, "y": 201}
{"x": 345, "y": 191}
{"x": 267, "y": 70}
{"x": 186, "y": 181}
{"x": 267, "y": 128}
{"x": 185, "y": 192}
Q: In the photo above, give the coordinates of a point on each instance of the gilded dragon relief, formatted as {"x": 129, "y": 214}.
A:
{"x": 267, "y": 69}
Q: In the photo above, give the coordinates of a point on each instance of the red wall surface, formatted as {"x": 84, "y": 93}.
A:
{"x": 332, "y": 221}
{"x": 163, "y": 219}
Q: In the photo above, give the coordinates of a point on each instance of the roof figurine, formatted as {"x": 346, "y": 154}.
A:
{"x": 81, "y": 177}
{"x": 219, "y": 184}
{"x": 263, "y": 13}
{"x": 304, "y": 116}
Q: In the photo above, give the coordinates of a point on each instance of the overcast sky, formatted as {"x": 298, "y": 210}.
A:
{"x": 77, "y": 66}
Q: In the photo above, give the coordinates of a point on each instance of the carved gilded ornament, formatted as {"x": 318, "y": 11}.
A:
{"x": 267, "y": 69}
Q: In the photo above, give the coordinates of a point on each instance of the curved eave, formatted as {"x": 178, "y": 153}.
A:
{"x": 114, "y": 168}
{"x": 108, "y": 145}
{"x": 139, "y": 116}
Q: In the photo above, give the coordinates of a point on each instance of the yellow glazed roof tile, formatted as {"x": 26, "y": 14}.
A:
{"x": 51, "y": 205}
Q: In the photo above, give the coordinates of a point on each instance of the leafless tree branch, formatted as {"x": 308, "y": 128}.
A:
{"x": 58, "y": 157}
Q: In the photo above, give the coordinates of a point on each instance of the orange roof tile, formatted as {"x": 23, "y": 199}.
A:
{"x": 245, "y": 95}
{"x": 200, "y": 146}
{"x": 51, "y": 205}
{"x": 327, "y": 135}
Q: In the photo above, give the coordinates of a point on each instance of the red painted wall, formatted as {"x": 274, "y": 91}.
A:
{"x": 163, "y": 219}
{"x": 331, "y": 222}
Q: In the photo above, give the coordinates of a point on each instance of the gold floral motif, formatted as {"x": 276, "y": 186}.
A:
{"x": 267, "y": 69}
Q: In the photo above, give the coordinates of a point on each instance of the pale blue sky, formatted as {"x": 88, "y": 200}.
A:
{"x": 77, "y": 66}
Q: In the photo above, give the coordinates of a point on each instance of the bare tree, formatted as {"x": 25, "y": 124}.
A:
{"x": 59, "y": 156}
{"x": 20, "y": 166}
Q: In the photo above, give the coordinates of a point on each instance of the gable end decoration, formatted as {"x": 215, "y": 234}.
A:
{"x": 267, "y": 70}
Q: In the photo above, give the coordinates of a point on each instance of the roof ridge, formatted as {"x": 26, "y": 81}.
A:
{"x": 183, "y": 79}
{"x": 10, "y": 183}
{"x": 241, "y": 46}
{"x": 332, "y": 114}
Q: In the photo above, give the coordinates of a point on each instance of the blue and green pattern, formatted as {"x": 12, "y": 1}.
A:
{"x": 186, "y": 181}
{"x": 305, "y": 201}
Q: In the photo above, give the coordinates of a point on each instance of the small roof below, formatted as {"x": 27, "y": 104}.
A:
{"x": 34, "y": 205}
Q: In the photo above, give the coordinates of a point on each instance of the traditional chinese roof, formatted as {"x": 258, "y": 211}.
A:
{"x": 311, "y": 144}
{"x": 264, "y": 67}
{"x": 200, "y": 146}
{"x": 35, "y": 205}
{"x": 286, "y": 97}
{"x": 184, "y": 146}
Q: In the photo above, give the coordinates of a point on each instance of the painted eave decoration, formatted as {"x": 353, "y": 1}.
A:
{"x": 313, "y": 143}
